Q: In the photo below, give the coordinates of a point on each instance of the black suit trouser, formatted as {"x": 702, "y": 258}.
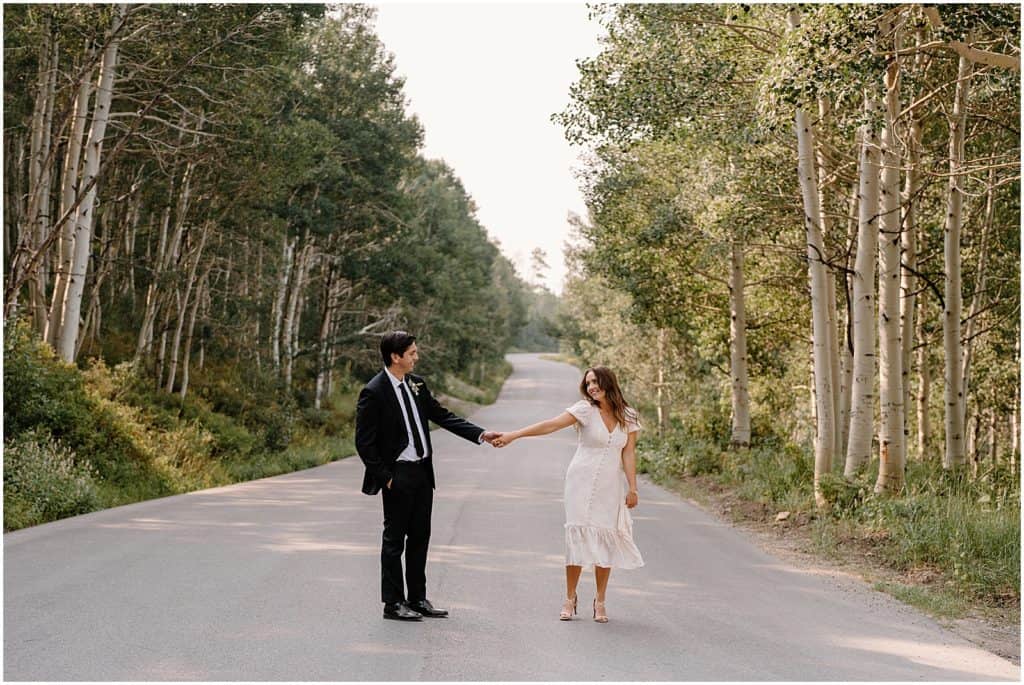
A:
{"x": 407, "y": 508}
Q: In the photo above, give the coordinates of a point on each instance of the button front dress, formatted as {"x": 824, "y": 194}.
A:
{"x": 598, "y": 527}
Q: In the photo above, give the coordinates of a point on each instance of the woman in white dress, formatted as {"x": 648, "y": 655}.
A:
{"x": 600, "y": 485}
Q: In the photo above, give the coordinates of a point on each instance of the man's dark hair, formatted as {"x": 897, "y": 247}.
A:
{"x": 395, "y": 342}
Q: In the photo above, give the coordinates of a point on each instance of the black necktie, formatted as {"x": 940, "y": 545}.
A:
{"x": 412, "y": 422}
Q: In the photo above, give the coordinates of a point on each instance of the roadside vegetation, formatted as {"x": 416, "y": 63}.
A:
{"x": 80, "y": 440}
{"x": 954, "y": 542}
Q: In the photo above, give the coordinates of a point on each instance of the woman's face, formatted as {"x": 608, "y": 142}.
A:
{"x": 593, "y": 389}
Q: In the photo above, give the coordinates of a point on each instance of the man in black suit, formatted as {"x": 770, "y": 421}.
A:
{"x": 393, "y": 440}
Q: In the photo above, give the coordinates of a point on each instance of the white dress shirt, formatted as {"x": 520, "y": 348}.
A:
{"x": 409, "y": 453}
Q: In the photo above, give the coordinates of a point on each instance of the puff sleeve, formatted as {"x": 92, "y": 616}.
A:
{"x": 582, "y": 411}
{"x": 632, "y": 421}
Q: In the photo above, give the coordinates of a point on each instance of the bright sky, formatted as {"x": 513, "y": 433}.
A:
{"x": 484, "y": 80}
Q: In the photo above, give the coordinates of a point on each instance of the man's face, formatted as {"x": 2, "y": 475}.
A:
{"x": 407, "y": 361}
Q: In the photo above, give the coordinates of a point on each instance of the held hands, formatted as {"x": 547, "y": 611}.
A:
{"x": 504, "y": 439}
{"x": 497, "y": 438}
{"x": 632, "y": 499}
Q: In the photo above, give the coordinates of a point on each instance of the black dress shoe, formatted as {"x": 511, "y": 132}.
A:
{"x": 399, "y": 612}
{"x": 424, "y": 607}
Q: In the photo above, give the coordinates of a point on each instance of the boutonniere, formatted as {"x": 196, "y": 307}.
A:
{"x": 415, "y": 387}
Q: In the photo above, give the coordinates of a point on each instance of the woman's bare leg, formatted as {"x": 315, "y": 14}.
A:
{"x": 572, "y": 579}
{"x": 601, "y": 575}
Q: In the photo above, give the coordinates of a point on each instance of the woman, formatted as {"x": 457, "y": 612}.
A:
{"x": 598, "y": 528}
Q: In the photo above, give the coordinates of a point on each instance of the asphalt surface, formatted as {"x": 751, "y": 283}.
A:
{"x": 278, "y": 579}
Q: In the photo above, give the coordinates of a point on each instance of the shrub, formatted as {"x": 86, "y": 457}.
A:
{"x": 228, "y": 438}
{"x": 680, "y": 455}
{"x": 275, "y": 425}
{"x": 43, "y": 392}
{"x": 844, "y": 496}
{"x": 43, "y": 482}
{"x": 777, "y": 475}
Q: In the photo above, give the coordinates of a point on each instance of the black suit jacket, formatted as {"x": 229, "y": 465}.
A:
{"x": 380, "y": 429}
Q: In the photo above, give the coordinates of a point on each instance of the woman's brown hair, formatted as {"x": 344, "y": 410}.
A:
{"x": 607, "y": 381}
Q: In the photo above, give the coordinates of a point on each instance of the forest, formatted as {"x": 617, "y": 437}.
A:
{"x": 210, "y": 214}
{"x": 802, "y": 255}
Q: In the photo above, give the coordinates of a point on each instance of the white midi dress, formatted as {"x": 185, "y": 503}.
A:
{"x": 598, "y": 527}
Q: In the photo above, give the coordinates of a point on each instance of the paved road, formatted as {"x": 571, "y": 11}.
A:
{"x": 278, "y": 580}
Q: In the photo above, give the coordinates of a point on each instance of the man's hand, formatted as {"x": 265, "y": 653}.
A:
{"x": 490, "y": 436}
{"x": 390, "y": 482}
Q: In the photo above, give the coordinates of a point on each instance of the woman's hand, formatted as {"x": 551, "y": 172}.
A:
{"x": 504, "y": 439}
{"x": 632, "y": 499}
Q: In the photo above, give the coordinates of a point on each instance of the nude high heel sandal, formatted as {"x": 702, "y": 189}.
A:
{"x": 568, "y": 610}
{"x": 599, "y": 612}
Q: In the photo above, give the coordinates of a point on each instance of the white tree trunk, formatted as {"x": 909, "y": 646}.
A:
{"x": 891, "y": 444}
{"x": 145, "y": 342}
{"x": 183, "y": 306}
{"x": 40, "y": 313}
{"x": 37, "y": 217}
{"x": 825, "y": 224}
{"x": 1015, "y": 427}
{"x": 662, "y": 405}
{"x": 993, "y": 438}
{"x": 977, "y": 300}
{"x": 323, "y": 348}
{"x": 200, "y": 294}
{"x": 161, "y": 354}
{"x": 954, "y": 454}
{"x": 287, "y": 257}
{"x": 862, "y": 397}
{"x": 738, "y": 349}
{"x": 971, "y": 447}
{"x": 71, "y": 315}
{"x": 910, "y": 240}
{"x": 69, "y": 192}
{"x": 134, "y": 215}
{"x": 846, "y": 333}
{"x": 924, "y": 425}
{"x": 909, "y": 281}
{"x": 293, "y": 313}
{"x": 824, "y": 395}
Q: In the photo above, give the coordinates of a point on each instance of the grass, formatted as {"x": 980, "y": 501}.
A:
{"x": 947, "y": 545}
{"x": 315, "y": 451}
{"x": 942, "y": 604}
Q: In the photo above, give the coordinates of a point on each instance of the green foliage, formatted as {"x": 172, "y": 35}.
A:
{"x": 978, "y": 548}
{"x": 541, "y": 332}
{"x": 41, "y": 392}
{"x": 774, "y": 476}
{"x": 152, "y": 444}
{"x": 229, "y": 438}
{"x": 294, "y": 458}
{"x": 845, "y": 496}
{"x": 834, "y": 54}
{"x": 944, "y": 605}
{"x": 43, "y": 481}
{"x": 689, "y": 112}
{"x": 680, "y": 453}
{"x": 271, "y": 133}
{"x": 968, "y": 529}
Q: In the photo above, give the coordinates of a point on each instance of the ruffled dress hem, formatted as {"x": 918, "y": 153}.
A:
{"x": 590, "y": 546}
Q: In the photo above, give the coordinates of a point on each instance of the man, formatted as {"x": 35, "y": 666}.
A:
{"x": 393, "y": 440}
